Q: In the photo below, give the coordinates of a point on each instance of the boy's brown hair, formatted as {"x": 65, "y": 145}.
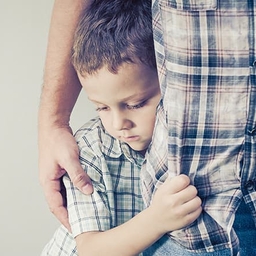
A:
{"x": 112, "y": 32}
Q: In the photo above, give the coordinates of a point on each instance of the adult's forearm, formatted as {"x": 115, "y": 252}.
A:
{"x": 61, "y": 86}
{"x": 58, "y": 151}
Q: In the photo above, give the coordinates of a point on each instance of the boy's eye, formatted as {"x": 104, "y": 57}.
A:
{"x": 140, "y": 105}
{"x": 101, "y": 109}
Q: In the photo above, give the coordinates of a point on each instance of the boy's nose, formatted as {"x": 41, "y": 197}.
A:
{"x": 120, "y": 121}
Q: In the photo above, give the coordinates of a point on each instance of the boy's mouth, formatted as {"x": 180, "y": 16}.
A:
{"x": 130, "y": 138}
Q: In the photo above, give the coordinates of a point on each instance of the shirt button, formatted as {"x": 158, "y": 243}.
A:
{"x": 250, "y": 185}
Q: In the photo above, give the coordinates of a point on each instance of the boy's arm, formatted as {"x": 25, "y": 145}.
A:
{"x": 58, "y": 150}
{"x": 175, "y": 205}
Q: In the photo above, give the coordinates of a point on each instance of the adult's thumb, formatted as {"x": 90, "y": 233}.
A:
{"x": 80, "y": 178}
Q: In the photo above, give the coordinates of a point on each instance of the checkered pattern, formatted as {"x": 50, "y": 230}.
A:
{"x": 114, "y": 170}
{"x": 205, "y": 51}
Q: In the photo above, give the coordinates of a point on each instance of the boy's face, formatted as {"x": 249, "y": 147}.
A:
{"x": 126, "y": 102}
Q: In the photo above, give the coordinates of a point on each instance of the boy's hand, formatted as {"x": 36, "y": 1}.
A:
{"x": 176, "y": 204}
{"x": 58, "y": 154}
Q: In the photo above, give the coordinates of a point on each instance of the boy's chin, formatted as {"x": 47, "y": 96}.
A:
{"x": 140, "y": 150}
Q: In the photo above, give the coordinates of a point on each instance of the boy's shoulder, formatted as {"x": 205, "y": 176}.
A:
{"x": 91, "y": 127}
{"x": 93, "y": 136}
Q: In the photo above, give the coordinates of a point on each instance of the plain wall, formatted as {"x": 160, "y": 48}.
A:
{"x": 26, "y": 223}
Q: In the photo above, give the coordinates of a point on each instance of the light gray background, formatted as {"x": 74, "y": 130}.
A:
{"x": 26, "y": 224}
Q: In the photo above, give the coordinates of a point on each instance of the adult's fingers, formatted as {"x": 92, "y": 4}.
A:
{"x": 56, "y": 202}
{"x": 79, "y": 177}
{"x": 59, "y": 210}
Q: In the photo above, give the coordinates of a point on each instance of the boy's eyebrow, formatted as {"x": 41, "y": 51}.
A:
{"x": 95, "y": 101}
{"x": 135, "y": 95}
{"x": 141, "y": 95}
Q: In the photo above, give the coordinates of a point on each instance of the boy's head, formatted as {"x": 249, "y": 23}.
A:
{"x": 114, "y": 57}
{"x": 113, "y": 32}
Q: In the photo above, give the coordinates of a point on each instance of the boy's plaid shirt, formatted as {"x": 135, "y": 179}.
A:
{"x": 206, "y": 56}
{"x": 114, "y": 169}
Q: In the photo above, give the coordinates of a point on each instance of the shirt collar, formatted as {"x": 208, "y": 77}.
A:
{"x": 114, "y": 148}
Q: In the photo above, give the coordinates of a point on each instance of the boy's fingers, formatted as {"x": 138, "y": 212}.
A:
{"x": 193, "y": 204}
{"x": 187, "y": 194}
{"x": 192, "y": 216}
{"x": 176, "y": 184}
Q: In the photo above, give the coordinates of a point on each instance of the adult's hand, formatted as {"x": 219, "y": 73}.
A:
{"x": 58, "y": 153}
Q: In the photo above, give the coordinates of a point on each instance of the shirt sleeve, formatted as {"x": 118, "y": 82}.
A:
{"x": 89, "y": 212}
{"x": 86, "y": 212}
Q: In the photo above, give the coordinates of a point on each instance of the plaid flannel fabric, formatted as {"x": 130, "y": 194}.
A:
{"x": 114, "y": 169}
{"x": 206, "y": 125}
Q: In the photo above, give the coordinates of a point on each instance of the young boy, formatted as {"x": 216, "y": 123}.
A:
{"x": 113, "y": 55}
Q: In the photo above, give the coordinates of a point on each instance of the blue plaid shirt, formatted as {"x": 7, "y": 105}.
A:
{"x": 114, "y": 169}
{"x": 206, "y": 60}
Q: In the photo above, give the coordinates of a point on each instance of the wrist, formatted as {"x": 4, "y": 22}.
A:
{"x": 155, "y": 220}
{"x": 51, "y": 118}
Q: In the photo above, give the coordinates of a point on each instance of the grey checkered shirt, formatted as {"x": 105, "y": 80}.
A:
{"x": 115, "y": 172}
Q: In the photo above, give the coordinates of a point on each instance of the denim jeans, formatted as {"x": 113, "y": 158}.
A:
{"x": 167, "y": 247}
{"x": 245, "y": 230}
{"x": 243, "y": 225}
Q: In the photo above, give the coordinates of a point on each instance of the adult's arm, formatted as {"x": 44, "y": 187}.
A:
{"x": 58, "y": 152}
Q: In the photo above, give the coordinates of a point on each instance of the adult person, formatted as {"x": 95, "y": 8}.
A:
{"x": 206, "y": 63}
